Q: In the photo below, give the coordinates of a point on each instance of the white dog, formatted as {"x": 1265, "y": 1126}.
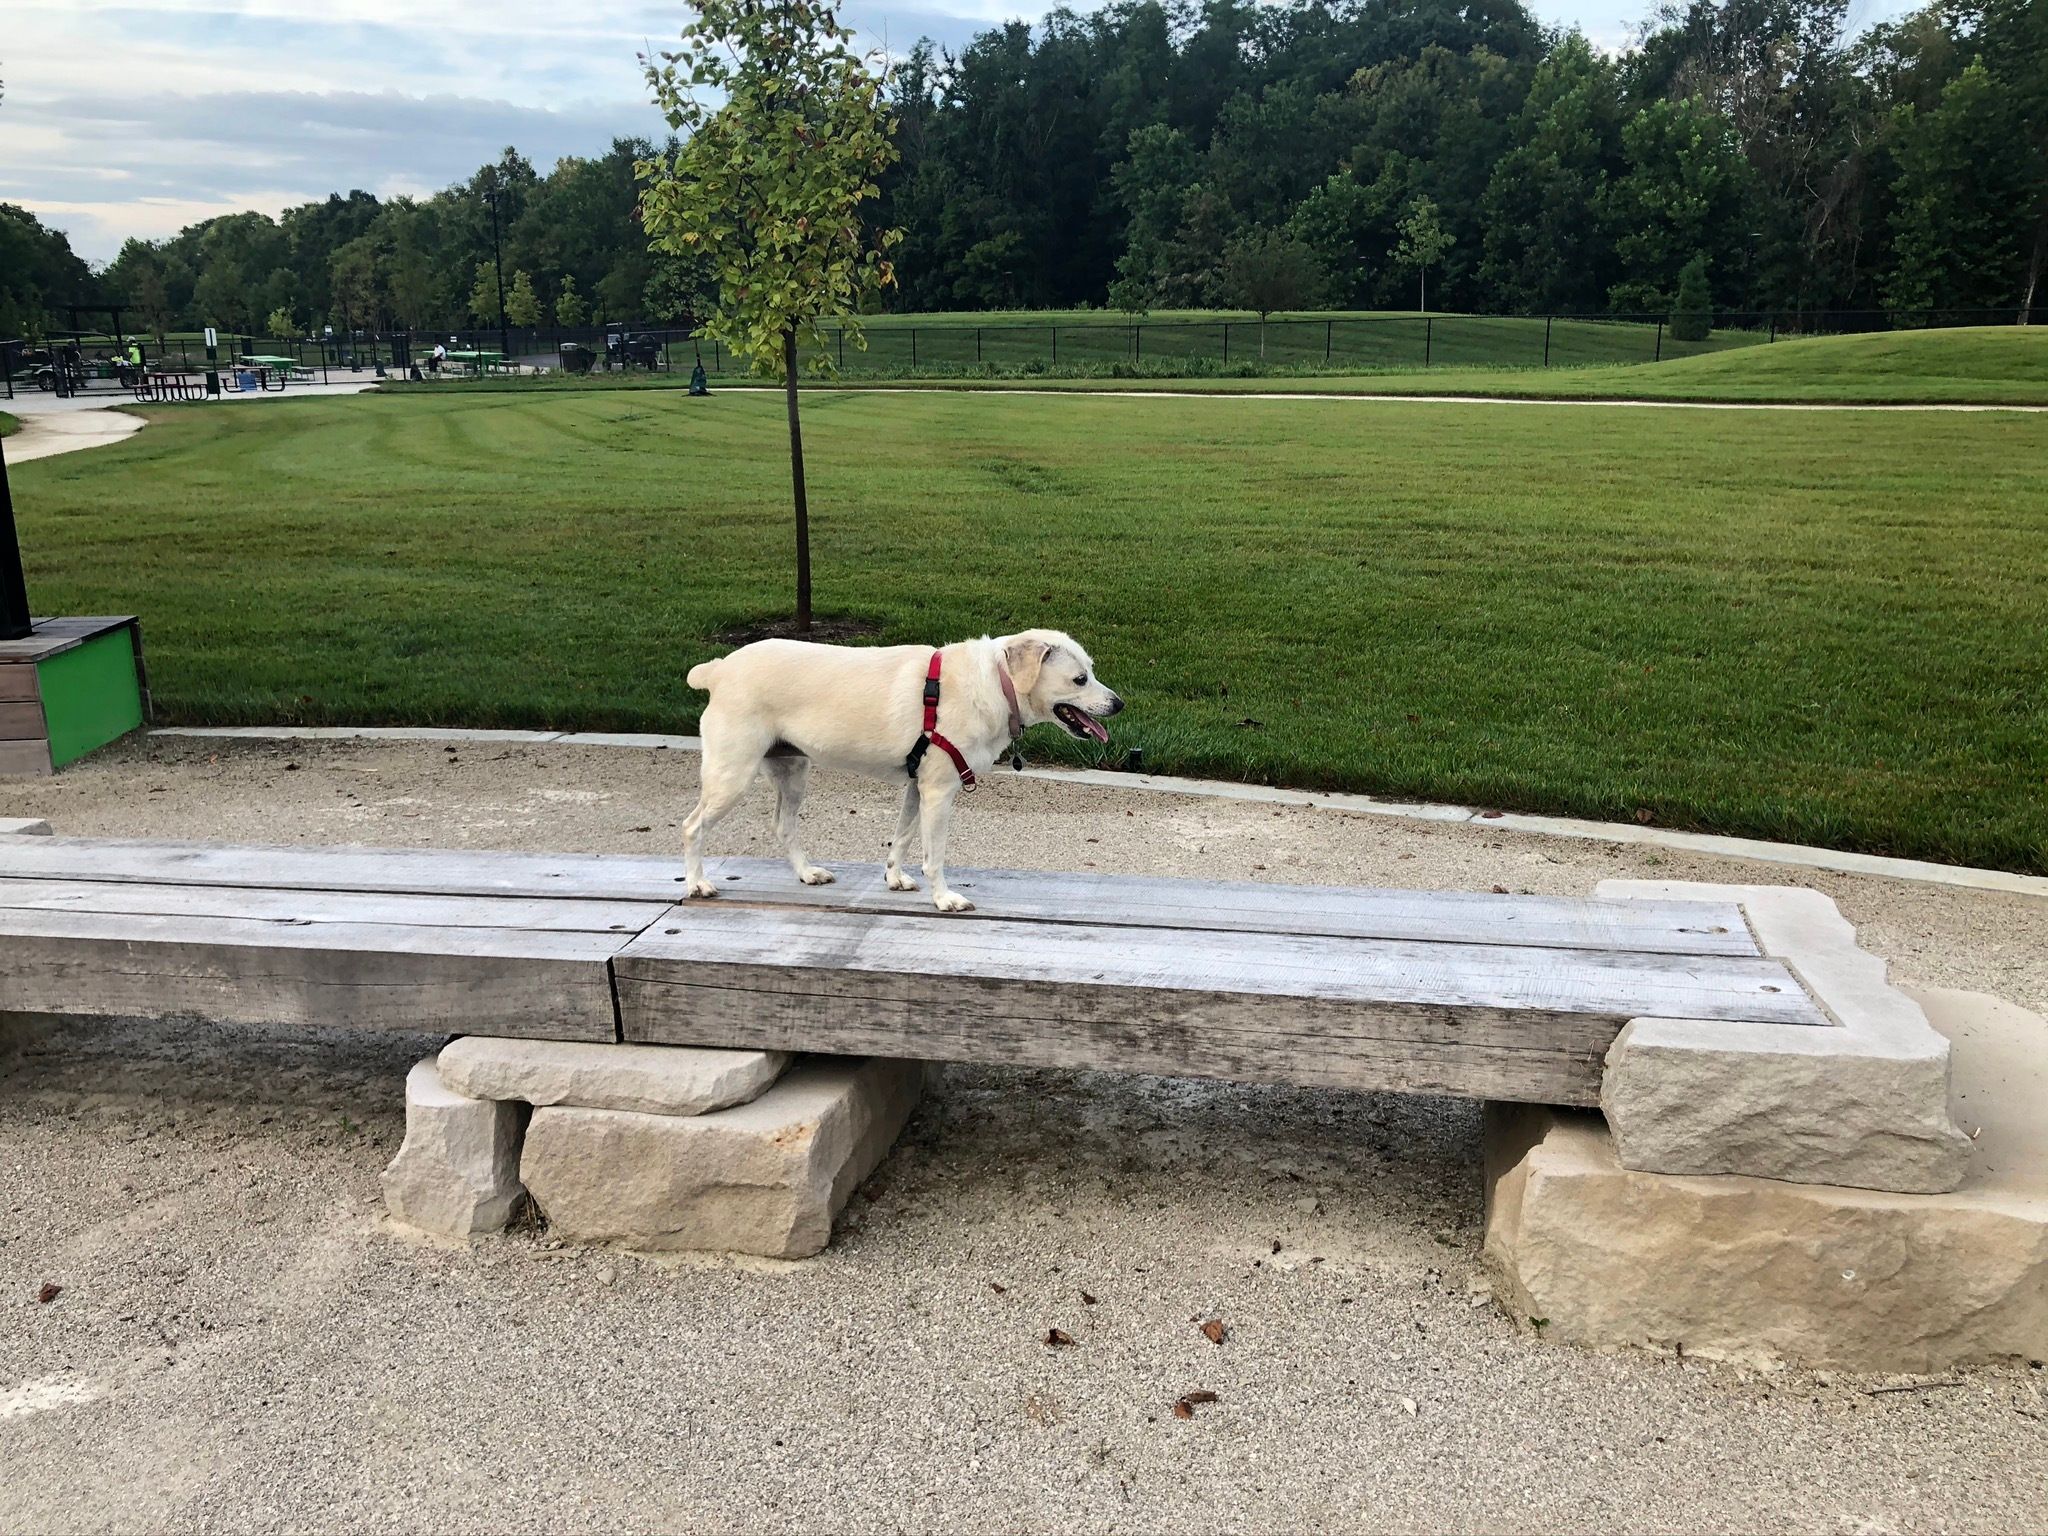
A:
{"x": 784, "y": 704}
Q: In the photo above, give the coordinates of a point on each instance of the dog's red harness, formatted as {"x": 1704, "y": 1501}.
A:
{"x": 931, "y": 736}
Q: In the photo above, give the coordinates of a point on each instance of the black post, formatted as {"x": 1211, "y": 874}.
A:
{"x": 1329, "y": 326}
{"x": 1055, "y": 346}
{"x": 796, "y": 474}
{"x": 1428, "y": 338}
{"x": 14, "y": 624}
{"x": 1226, "y": 341}
{"x": 1659, "y": 357}
{"x": 913, "y": 363}
{"x": 212, "y": 363}
{"x": 977, "y": 344}
{"x": 842, "y": 348}
{"x": 1135, "y": 343}
{"x": 498, "y": 267}
{"x": 1547, "y": 319}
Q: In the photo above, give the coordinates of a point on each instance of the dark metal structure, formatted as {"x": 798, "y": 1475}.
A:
{"x": 14, "y": 618}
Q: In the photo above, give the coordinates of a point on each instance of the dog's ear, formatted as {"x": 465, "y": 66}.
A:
{"x": 1024, "y": 656}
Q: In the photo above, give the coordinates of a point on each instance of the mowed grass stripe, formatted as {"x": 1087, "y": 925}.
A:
{"x": 1828, "y": 628}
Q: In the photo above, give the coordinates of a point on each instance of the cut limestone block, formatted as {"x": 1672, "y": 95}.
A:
{"x": 1760, "y": 1271}
{"x": 1865, "y": 1103}
{"x": 458, "y": 1172}
{"x": 647, "y": 1079}
{"x": 23, "y": 826}
{"x": 765, "y": 1178}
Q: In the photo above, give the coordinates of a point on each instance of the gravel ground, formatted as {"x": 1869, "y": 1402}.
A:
{"x": 242, "y": 1343}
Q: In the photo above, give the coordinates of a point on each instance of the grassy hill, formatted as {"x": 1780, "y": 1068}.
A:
{"x": 1976, "y": 365}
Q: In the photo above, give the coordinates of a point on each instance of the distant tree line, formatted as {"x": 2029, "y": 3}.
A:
{"x": 1744, "y": 155}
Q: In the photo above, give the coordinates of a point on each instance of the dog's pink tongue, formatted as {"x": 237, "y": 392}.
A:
{"x": 1095, "y": 727}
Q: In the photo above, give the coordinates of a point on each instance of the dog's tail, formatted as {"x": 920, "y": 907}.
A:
{"x": 704, "y": 674}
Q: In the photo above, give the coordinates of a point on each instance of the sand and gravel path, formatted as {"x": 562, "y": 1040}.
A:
{"x": 241, "y": 1343}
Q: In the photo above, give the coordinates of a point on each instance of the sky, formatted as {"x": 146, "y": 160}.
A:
{"x": 138, "y": 117}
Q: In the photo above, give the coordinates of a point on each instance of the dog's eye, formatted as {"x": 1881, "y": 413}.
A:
{"x": 1080, "y": 682}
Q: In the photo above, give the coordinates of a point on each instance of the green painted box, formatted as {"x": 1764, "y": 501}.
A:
{"x": 69, "y": 688}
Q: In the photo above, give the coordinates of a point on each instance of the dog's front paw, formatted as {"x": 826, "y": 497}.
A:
{"x": 952, "y": 901}
{"x": 701, "y": 889}
{"x": 898, "y": 881}
{"x": 817, "y": 876}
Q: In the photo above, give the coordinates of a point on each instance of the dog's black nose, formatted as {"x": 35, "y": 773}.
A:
{"x": 1116, "y": 704}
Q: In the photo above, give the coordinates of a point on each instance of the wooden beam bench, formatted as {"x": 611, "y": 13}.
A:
{"x": 1486, "y": 996}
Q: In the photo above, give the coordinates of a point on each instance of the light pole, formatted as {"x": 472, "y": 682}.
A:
{"x": 498, "y": 267}
{"x": 14, "y": 621}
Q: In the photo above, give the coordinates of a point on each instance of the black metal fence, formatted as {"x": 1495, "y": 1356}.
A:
{"x": 897, "y": 345}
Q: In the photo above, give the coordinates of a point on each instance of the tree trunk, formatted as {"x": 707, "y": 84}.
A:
{"x": 1262, "y": 338}
{"x": 796, "y": 476}
{"x": 2034, "y": 270}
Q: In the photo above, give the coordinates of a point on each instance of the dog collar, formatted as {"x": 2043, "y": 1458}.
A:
{"x": 1010, "y": 693}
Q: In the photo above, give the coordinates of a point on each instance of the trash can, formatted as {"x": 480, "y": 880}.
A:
{"x": 576, "y": 358}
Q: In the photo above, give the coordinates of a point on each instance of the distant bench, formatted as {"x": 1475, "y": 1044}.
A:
{"x": 1483, "y": 996}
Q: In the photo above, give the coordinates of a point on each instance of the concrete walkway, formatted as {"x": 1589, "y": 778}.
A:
{"x": 47, "y": 433}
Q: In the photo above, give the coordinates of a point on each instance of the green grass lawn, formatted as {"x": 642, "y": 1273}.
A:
{"x": 1825, "y": 627}
{"x": 9, "y": 425}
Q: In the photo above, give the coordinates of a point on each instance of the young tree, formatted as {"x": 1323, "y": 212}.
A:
{"x": 281, "y": 324}
{"x": 483, "y": 294}
{"x": 522, "y": 304}
{"x": 571, "y": 308}
{"x": 786, "y": 134}
{"x": 1424, "y": 241}
{"x": 1692, "y": 316}
{"x": 1269, "y": 269}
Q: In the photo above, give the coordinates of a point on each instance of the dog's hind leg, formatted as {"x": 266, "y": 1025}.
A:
{"x": 726, "y": 773}
{"x": 791, "y": 774}
{"x": 935, "y": 812}
{"x": 906, "y": 819}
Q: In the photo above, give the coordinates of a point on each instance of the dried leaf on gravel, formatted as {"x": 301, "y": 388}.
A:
{"x": 1055, "y": 1337}
{"x": 1500, "y": 890}
{"x": 49, "y": 1293}
{"x": 1214, "y": 1331}
{"x": 1000, "y": 1290}
{"x": 1184, "y": 1408}
{"x": 1087, "y": 1300}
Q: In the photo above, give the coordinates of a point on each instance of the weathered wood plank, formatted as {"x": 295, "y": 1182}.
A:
{"x": 17, "y": 681}
{"x": 22, "y": 720}
{"x": 1021, "y": 895}
{"x": 333, "y": 975}
{"x": 1301, "y": 1043}
{"x": 1482, "y": 1021}
{"x": 1474, "y": 976}
{"x": 315, "y": 906}
{"x": 25, "y": 757}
